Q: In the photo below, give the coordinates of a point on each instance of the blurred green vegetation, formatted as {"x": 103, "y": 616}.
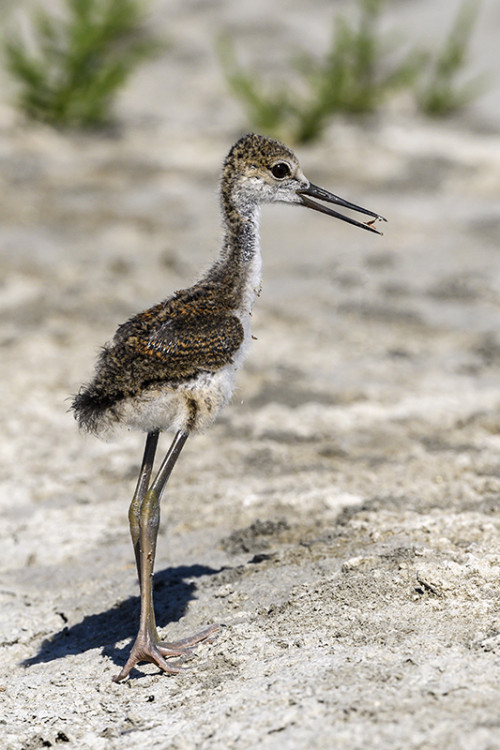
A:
{"x": 73, "y": 63}
{"x": 441, "y": 92}
{"x": 360, "y": 71}
{"x": 355, "y": 76}
{"x": 71, "y": 73}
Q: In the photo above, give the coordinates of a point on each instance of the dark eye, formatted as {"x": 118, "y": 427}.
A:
{"x": 280, "y": 170}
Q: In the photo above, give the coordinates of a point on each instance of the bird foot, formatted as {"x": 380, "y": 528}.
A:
{"x": 148, "y": 647}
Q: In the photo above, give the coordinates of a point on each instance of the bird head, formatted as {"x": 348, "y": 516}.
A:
{"x": 263, "y": 170}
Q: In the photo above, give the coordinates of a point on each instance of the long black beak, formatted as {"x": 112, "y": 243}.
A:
{"x": 324, "y": 195}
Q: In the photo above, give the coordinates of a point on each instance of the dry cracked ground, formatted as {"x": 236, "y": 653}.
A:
{"x": 341, "y": 520}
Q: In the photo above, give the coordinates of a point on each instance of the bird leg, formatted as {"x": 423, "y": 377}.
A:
{"x": 134, "y": 511}
{"x": 144, "y": 516}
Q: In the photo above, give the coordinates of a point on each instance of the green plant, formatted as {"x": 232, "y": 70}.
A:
{"x": 78, "y": 62}
{"x": 355, "y": 77}
{"x": 359, "y": 72}
{"x": 442, "y": 95}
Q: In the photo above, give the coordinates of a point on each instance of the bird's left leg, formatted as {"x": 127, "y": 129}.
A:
{"x": 147, "y": 646}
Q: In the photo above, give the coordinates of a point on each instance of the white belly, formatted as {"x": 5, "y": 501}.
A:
{"x": 191, "y": 406}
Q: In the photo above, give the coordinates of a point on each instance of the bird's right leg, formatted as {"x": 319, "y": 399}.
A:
{"x": 134, "y": 511}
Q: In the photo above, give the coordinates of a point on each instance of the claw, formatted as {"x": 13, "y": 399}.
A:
{"x": 148, "y": 647}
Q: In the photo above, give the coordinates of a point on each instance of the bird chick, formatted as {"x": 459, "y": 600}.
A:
{"x": 173, "y": 366}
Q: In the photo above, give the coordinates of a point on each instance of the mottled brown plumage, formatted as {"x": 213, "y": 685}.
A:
{"x": 192, "y": 332}
{"x": 174, "y": 365}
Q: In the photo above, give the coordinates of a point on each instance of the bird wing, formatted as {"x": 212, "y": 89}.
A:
{"x": 198, "y": 343}
{"x": 192, "y": 331}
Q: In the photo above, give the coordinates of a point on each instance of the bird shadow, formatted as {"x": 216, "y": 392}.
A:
{"x": 172, "y": 596}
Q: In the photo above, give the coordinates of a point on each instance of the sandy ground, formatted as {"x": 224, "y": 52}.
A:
{"x": 341, "y": 519}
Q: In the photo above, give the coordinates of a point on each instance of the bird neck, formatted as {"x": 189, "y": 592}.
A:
{"x": 237, "y": 271}
{"x": 241, "y": 222}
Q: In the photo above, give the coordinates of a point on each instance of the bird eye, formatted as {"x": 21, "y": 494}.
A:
{"x": 280, "y": 170}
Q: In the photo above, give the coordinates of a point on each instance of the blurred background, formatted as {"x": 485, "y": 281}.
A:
{"x": 375, "y": 371}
